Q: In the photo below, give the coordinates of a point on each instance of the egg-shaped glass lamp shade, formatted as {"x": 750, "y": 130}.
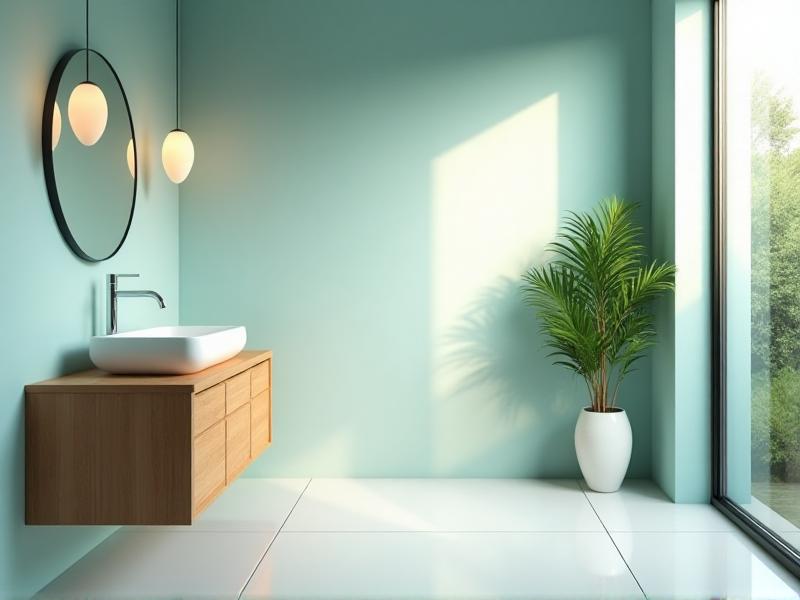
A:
{"x": 56, "y": 125}
{"x": 177, "y": 155}
{"x": 88, "y": 113}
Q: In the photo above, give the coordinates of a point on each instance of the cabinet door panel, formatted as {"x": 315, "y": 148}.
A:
{"x": 208, "y": 408}
{"x": 259, "y": 422}
{"x": 237, "y": 391}
{"x": 259, "y": 379}
{"x": 209, "y": 466}
{"x": 237, "y": 441}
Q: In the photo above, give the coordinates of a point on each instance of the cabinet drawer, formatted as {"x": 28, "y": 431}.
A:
{"x": 259, "y": 379}
{"x": 237, "y": 391}
{"x": 237, "y": 441}
{"x": 208, "y": 407}
{"x": 208, "y": 472}
{"x": 259, "y": 422}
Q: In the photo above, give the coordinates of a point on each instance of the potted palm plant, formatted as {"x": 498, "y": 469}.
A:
{"x": 592, "y": 300}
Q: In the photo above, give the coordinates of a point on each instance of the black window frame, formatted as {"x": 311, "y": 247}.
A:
{"x": 776, "y": 546}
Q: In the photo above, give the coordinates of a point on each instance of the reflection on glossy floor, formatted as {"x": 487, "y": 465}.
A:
{"x": 389, "y": 538}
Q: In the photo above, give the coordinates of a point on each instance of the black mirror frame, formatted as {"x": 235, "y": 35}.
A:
{"x": 47, "y": 155}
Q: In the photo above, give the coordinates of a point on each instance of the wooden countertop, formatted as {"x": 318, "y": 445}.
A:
{"x": 96, "y": 380}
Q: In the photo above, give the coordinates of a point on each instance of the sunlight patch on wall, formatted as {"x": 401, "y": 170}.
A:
{"x": 494, "y": 208}
{"x": 690, "y": 161}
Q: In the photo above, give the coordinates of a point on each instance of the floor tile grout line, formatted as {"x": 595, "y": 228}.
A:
{"x": 272, "y": 541}
{"x": 451, "y": 531}
{"x": 613, "y": 541}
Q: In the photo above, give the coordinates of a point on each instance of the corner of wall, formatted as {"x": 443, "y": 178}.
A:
{"x": 663, "y": 227}
{"x": 682, "y": 50}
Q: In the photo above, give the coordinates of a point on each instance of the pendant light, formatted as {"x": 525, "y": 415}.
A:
{"x": 177, "y": 152}
{"x": 87, "y": 108}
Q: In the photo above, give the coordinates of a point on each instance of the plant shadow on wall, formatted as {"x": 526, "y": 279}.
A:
{"x": 496, "y": 349}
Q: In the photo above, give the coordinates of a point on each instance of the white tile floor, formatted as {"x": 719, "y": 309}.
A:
{"x": 381, "y": 538}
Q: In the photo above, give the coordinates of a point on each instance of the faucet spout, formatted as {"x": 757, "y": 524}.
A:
{"x": 114, "y": 294}
{"x": 142, "y": 294}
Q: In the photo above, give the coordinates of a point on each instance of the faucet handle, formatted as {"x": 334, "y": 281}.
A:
{"x": 112, "y": 277}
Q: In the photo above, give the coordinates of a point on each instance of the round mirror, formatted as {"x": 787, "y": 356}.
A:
{"x": 90, "y": 163}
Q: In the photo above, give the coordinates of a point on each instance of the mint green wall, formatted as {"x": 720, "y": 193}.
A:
{"x": 371, "y": 178}
{"x": 681, "y": 223}
{"x": 52, "y": 302}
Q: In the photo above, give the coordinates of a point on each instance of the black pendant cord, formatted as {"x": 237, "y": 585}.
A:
{"x": 177, "y": 64}
{"x": 87, "y": 40}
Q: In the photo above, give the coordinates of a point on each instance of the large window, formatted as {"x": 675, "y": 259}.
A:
{"x": 757, "y": 470}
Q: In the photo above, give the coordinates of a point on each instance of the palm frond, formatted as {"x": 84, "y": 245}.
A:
{"x": 592, "y": 298}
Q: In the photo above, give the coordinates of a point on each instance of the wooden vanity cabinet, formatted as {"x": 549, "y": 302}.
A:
{"x": 104, "y": 449}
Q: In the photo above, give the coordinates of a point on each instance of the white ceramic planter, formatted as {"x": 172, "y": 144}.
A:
{"x": 603, "y": 445}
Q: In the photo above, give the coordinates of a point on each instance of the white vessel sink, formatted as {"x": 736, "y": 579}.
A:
{"x": 166, "y": 350}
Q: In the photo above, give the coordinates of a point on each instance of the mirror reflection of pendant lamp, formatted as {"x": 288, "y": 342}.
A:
{"x": 56, "y": 125}
{"x": 177, "y": 152}
{"x": 87, "y": 108}
{"x": 130, "y": 157}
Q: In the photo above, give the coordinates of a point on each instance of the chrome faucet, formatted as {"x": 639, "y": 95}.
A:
{"x": 114, "y": 293}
